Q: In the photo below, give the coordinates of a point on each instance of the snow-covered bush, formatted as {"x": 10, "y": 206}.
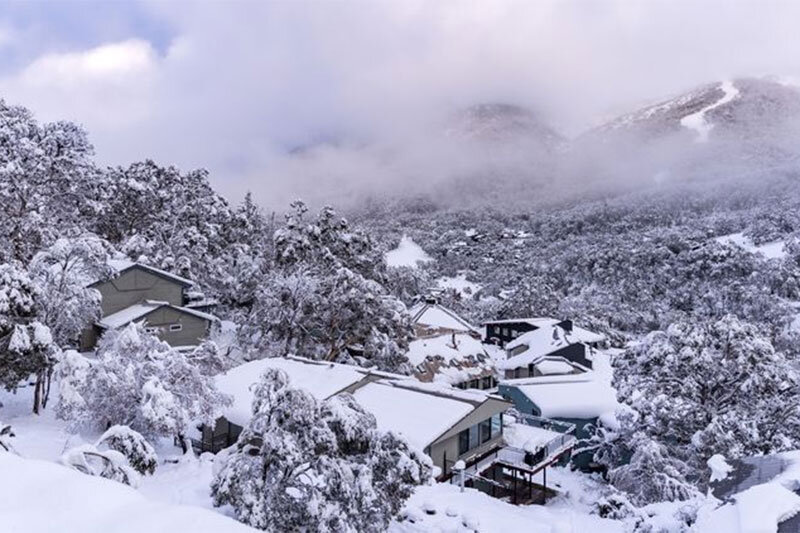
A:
{"x": 109, "y": 464}
{"x": 138, "y": 381}
{"x": 6, "y": 434}
{"x": 316, "y": 466}
{"x": 139, "y": 453}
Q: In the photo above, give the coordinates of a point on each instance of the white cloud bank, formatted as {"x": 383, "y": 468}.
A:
{"x": 243, "y": 82}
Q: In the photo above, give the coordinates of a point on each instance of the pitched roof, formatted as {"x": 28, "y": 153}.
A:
{"x": 435, "y": 315}
{"x": 583, "y": 396}
{"x": 122, "y": 265}
{"x": 139, "y": 311}
{"x": 421, "y": 412}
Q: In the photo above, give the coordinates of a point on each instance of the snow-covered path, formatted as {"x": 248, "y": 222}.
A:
{"x": 697, "y": 121}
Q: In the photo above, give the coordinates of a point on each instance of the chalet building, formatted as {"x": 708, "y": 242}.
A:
{"x": 448, "y": 349}
{"x": 546, "y": 351}
{"x": 501, "y": 332}
{"x": 447, "y": 424}
{"x": 578, "y": 400}
{"x": 159, "y": 299}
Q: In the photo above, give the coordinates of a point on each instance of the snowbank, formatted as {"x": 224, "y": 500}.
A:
{"x": 472, "y": 510}
{"x": 42, "y": 497}
{"x": 407, "y": 254}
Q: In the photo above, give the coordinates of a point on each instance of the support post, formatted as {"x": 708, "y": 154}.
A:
{"x": 544, "y": 478}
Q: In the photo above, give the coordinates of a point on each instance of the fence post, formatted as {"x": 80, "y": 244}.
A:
{"x": 460, "y": 467}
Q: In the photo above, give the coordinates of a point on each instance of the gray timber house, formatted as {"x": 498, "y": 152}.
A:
{"x": 159, "y": 299}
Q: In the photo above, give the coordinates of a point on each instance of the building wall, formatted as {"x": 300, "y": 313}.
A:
{"x": 444, "y": 452}
{"x": 134, "y": 286}
{"x": 193, "y": 328}
{"x": 506, "y": 332}
{"x": 583, "y": 426}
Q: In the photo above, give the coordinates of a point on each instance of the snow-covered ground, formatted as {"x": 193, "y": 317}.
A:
{"x": 443, "y": 508}
{"x": 771, "y": 250}
{"x": 460, "y": 284}
{"x": 407, "y": 254}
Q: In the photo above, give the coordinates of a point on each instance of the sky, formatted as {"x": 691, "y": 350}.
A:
{"x": 283, "y": 98}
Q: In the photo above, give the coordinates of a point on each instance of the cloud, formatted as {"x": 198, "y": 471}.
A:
{"x": 242, "y": 84}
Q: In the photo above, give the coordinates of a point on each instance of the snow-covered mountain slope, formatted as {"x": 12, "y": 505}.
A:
{"x": 502, "y": 123}
{"x": 743, "y": 109}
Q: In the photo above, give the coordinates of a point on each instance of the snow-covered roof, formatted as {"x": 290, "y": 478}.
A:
{"x": 759, "y": 495}
{"x": 407, "y": 254}
{"x": 555, "y": 365}
{"x": 139, "y": 311}
{"x": 321, "y": 380}
{"x": 442, "y": 346}
{"x": 540, "y": 342}
{"x": 122, "y": 265}
{"x": 568, "y": 396}
{"x": 578, "y": 333}
{"x": 42, "y": 496}
{"x": 419, "y": 418}
{"x": 434, "y": 315}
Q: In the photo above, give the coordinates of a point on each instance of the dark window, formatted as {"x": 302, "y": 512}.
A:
{"x": 474, "y": 437}
{"x": 473, "y": 384}
{"x": 497, "y": 424}
{"x": 486, "y": 430}
{"x": 487, "y": 382}
{"x": 463, "y": 442}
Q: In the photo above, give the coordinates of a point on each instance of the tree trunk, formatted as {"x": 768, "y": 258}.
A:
{"x": 37, "y": 394}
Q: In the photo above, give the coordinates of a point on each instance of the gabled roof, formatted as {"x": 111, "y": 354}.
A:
{"x": 434, "y": 315}
{"x": 580, "y": 396}
{"x": 421, "y": 412}
{"x": 123, "y": 265}
{"x": 139, "y": 311}
{"x": 540, "y": 342}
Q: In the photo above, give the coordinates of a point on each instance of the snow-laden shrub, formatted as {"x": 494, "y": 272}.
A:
{"x": 109, "y": 464}
{"x": 139, "y": 453}
{"x": 139, "y": 381}
{"x": 6, "y": 434}
{"x": 319, "y": 466}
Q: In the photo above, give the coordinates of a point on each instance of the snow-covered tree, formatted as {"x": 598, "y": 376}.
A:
{"x": 319, "y": 303}
{"x": 138, "y": 381}
{"x": 26, "y": 345}
{"x": 109, "y": 464}
{"x": 315, "y": 466}
{"x": 140, "y": 454}
{"x": 706, "y": 388}
{"x": 47, "y": 181}
{"x": 63, "y": 272}
{"x": 652, "y": 474}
